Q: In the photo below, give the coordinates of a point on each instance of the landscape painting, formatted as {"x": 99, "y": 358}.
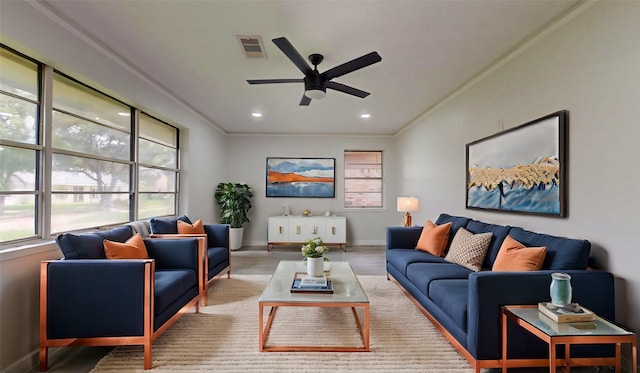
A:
{"x": 521, "y": 169}
{"x": 301, "y": 177}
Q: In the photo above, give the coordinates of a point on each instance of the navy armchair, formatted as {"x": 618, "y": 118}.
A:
{"x": 93, "y": 301}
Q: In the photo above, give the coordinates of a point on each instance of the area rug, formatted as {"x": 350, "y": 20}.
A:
{"x": 223, "y": 337}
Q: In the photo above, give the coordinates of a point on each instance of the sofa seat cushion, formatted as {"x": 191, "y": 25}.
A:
{"x": 499, "y": 232}
{"x": 171, "y": 284}
{"x": 452, "y": 297}
{"x": 91, "y": 245}
{"x": 422, "y": 274}
{"x": 562, "y": 253}
{"x": 217, "y": 255}
{"x": 401, "y": 258}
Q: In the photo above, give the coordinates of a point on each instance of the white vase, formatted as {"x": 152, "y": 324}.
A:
{"x": 315, "y": 267}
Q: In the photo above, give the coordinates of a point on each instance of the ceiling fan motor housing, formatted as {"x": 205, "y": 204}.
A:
{"x": 314, "y": 82}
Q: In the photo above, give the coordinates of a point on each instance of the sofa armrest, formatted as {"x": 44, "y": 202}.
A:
{"x": 403, "y": 237}
{"x": 177, "y": 253}
{"x": 94, "y": 297}
{"x": 488, "y": 291}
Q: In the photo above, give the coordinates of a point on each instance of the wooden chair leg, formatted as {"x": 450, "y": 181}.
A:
{"x": 147, "y": 355}
{"x": 44, "y": 363}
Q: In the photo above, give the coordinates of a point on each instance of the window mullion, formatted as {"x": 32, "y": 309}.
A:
{"x": 46, "y": 156}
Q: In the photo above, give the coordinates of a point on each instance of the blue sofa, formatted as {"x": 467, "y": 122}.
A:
{"x": 87, "y": 299}
{"x": 217, "y": 258}
{"x": 465, "y": 305}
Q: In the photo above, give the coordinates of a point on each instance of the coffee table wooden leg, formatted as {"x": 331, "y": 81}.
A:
{"x": 618, "y": 354}
{"x": 567, "y": 357}
{"x": 552, "y": 357}
{"x": 503, "y": 316}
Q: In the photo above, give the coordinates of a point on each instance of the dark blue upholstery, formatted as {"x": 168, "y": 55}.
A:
{"x": 457, "y": 222}
{"x": 170, "y": 285}
{"x": 90, "y": 245}
{"x": 467, "y": 304}
{"x": 218, "y": 248}
{"x": 452, "y": 297}
{"x": 562, "y": 253}
{"x": 500, "y": 232}
{"x": 167, "y": 226}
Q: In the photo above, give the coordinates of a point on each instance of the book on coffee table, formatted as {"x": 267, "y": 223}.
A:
{"x": 570, "y": 313}
{"x": 303, "y": 283}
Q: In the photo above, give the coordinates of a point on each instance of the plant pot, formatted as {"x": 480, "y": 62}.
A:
{"x": 315, "y": 267}
{"x": 235, "y": 238}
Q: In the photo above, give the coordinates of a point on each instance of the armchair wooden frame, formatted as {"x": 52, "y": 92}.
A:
{"x": 202, "y": 241}
{"x": 149, "y": 335}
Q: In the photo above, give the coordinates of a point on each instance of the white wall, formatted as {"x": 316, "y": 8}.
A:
{"x": 589, "y": 66}
{"x": 247, "y": 164}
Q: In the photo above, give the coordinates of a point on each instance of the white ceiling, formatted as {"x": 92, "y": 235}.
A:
{"x": 428, "y": 49}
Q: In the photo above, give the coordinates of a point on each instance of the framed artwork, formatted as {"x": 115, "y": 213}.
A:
{"x": 301, "y": 177}
{"x": 521, "y": 169}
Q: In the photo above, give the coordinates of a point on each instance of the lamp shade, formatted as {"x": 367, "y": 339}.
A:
{"x": 408, "y": 204}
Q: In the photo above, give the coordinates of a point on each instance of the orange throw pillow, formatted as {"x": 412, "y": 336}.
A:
{"x": 134, "y": 248}
{"x": 434, "y": 238}
{"x": 514, "y": 256}
{"x": 186, "y": 228}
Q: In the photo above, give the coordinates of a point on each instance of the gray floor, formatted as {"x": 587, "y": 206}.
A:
{"x": 253, "y": 260}
{"x": 365, "y": 260}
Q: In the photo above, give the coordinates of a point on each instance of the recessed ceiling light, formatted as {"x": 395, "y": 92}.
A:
{"x": 256, "y": 115}
{"x": 124, "y": 114}
{"x": 365, "y": 116}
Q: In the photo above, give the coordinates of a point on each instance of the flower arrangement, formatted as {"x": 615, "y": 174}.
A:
{"x": 314, "y": 248}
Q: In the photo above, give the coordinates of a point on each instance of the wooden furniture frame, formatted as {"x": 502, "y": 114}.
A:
{"x": 340, "y": 272}
{"x": 617, "y": 337}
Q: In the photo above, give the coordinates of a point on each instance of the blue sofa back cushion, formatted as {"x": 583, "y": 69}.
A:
{"x": 456, "y": 223}
{"x": 562, "y": 252}
{"x": 500, "y": 232}
{"x": 167, "y": 226}
{"x": 90, "y": 245}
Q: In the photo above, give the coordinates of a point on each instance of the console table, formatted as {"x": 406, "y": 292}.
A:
{"x": 286, "y": 230}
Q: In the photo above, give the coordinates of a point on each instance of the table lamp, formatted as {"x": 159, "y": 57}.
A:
{"x": 407, "y": 205}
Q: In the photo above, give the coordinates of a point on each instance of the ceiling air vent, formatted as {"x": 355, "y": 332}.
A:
{"x": 252, "y": 46}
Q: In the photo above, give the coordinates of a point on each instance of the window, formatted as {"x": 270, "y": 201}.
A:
{"x": 157, "y": 170}
{"x": 363, "y": 179}
{"x": 89, "y": 176}
{"x": 20, "y": 149}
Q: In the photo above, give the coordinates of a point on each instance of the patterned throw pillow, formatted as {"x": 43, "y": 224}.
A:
{"x": 514, "y": 256}
{"x": 434, "y": 238}
{"x": 468, "y": 249}
{"x": 134, "y": 248}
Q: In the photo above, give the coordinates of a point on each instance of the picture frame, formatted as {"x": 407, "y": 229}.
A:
{"x": 520, "y": 170}
{"x": 300, "y": 177}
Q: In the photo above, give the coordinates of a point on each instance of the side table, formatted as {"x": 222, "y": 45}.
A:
{"x": 599, "y": 331}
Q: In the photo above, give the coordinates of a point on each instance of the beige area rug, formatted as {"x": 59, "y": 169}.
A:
{"x": 223, "y": 337}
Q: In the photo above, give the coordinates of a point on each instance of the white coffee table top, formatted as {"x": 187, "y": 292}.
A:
{"x": 346, "y": 287}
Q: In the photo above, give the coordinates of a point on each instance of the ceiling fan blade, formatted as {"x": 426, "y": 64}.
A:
{"x": 353, "y": 65}
{"x": 287, "y": 48}
{"x": 271, "y": 81}
{"x": 305, "y": 101}
{"x": 347, "y": 89}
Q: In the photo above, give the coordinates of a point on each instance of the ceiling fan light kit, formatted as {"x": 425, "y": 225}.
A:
{"x": 316, "y": 83}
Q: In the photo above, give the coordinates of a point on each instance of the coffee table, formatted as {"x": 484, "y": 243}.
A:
{"x": 347, "y": 292}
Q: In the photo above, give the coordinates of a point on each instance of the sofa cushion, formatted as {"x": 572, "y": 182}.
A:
{"x": 452, "y": 297}
{"x": 401, "y": 258}
{"x": 562, "y": 253}
{"x": 499, "y": 234}
{"x": 134, "y": 248}
{"x": 434, "y": 238}
{"x": 217, "y": 255}
{"x": 167, "y": 226}
{"x": 90, "y": 245}
{"x": 187, "y": 228}
{"x": 514, "y": 256}
{"x": 468, "y": 249}
{"x": 422, "y": 274}
{"x": 170, "y": 285}
{"x": 456, "y": 223}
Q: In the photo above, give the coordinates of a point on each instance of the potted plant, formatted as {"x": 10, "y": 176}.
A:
{"x": 234, "y": 200}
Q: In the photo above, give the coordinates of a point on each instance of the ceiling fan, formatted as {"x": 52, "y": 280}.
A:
{"x": 316, "y": 83}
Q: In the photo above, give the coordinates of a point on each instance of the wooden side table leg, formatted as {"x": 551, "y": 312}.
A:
{"x": 618, "y": 355}
{"x": 504, "y": 340}
{"x": 567, "y": 358}
{"x": 552, "y": 357}
{"x": 634, "y": 357}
